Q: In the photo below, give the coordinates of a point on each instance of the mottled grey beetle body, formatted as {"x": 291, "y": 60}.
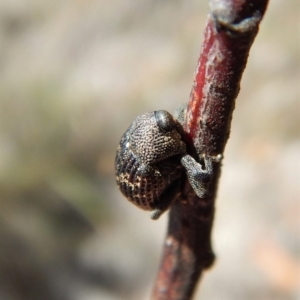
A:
{"x": 148, "y": 160}
{"x": 151, "y": 157}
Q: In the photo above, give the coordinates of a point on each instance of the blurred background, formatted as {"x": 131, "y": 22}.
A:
{"x": 74, "y": 74}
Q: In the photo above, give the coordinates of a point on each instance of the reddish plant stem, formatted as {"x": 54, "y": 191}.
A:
{"x": 230, "y": 31}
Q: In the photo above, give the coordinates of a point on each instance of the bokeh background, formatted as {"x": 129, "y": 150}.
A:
{"x": 73, "y": 76}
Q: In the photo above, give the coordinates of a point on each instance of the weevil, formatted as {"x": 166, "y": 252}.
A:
{"x": 151, "y": 159}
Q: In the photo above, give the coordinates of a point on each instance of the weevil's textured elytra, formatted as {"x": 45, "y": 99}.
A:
{"x": 151, "y": 157}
